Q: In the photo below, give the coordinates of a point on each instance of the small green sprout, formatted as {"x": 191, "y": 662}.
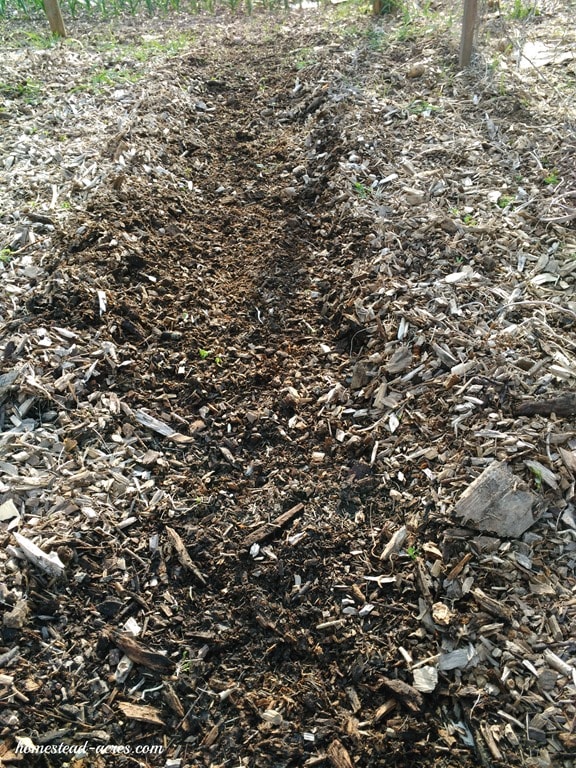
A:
{"x": 204, "y": 353}
{"x": 504, "y": 201}
{"x": 424, "y": 108}
{"x": 412, "y": 552}
{"x": 185, "y": 664}
{"x": 551, "y": 178}
{"x": 537, "y": 478}
{"x": 361, "y": 190}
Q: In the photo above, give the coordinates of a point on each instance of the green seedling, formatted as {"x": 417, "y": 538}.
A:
{"x": 551, "y": 178}
{"x": 537, "y": 478}
{"x": 504, "y": 201}
{"x": 412, "y": 552}
{"x": 361, "y": 190}
{"x": 28, "y": 91}
{"x": 185, "y": 663}
{"x": 419, "y": 107}
{"x": 206, "y": 353}
{"x": 304, "y": 57}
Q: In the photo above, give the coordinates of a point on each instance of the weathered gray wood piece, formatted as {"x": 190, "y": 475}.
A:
{"x": 499, "y": 502}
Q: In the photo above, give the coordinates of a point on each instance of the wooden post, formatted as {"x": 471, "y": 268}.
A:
{"x": 55, "y": 19}
{"x": 468, "y": 26}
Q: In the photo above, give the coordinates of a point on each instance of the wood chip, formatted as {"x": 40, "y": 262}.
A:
{"x": 142, "y": 655}
{"x": 145, "y": 714}
{"x": 338, "y": 755}
{"x": 498, "y": 502}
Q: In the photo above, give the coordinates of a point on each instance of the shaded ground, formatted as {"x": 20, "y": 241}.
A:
{"x": 289, "y": 244}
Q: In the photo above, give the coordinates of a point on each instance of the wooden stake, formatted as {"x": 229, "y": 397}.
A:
{"x": 468, "y": 26}
{"x": 55, "y": 19}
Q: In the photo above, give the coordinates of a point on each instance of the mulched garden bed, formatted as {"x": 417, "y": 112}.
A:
{"x": 271, "y": 306}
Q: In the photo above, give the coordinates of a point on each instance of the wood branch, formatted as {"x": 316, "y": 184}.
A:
{"x": 564, "y": 406}
{"x": 144, "y": 714}
{"x": 408, "y": 695}
{"x": 182, "y": 554}
{"x": 269, "y": 529}
{"x": 492, "y": 606}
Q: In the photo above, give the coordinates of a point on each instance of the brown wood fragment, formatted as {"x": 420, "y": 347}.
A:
{"x": 173, "y": 701}
{"x": 144, "y": 714}
{"x": 565, "y": 405}
{"x": 568, "y": 740}
{"x": 410, "y": 696}
{"x": 459, "y": 567}
{"x": 41, "y": 218}
{"x": 355, "y": 703}
{"x": 490, "y": 741}
{"x": 18, "y": 616}
{"x": 384, "y": 710}
{"x": 488, "y": 604}
{"x": 139, "y": 654}
{"x": 182, "y": 554}
{"x": 338, "y": 755}
{"x": 211, "y": 736}
{"x": 268, "y": 529}
{"x": 423, "y": 579}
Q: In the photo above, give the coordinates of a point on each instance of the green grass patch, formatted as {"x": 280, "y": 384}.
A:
{"x": 28, "y": 91}
{"x": 522, "y": 11}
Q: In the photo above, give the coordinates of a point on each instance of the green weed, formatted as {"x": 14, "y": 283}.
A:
{"x": 149, "y": 48}
{"x": 551, "y": 178}
{"x": 185, "y": 664}
{"x": 205, "y": 354}
{"x": 361, "y": 190}
{"x": 28, "y": 91}
{"x": 424, "y": 108}
{"x": 504, "y": 201}
{"x": 305, "y": 58}
{"x": 537, "y": 478}
{"x": 521, "y": 12}
{"x": 412, "y": 552}
{"x": 102, "y": 78}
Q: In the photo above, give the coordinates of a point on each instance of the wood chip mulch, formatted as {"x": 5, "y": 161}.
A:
{"x": 287, "y": 395}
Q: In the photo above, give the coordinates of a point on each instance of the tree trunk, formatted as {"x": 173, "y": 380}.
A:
{"x": 55, "y": 19}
